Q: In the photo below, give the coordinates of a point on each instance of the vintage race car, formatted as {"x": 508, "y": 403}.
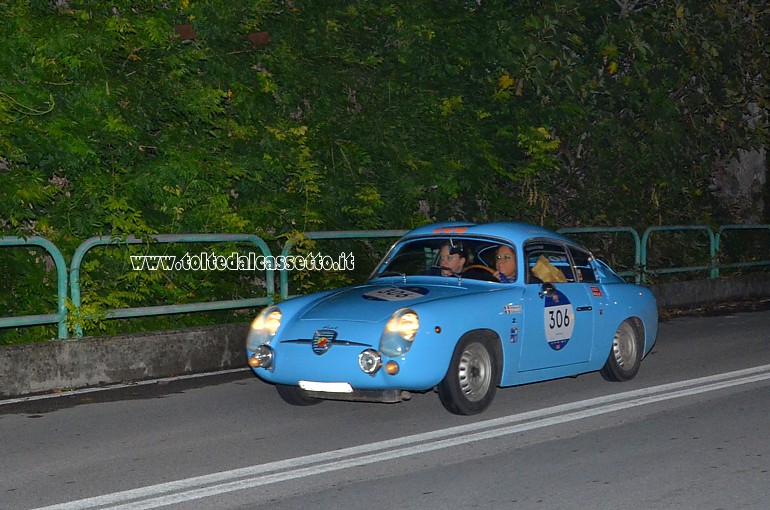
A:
{"x": 422, "y": 322}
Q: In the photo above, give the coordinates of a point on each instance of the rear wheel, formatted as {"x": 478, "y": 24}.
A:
{"x": 295, "y": 395}
{"x": 625, "y": 355}
{"x": 474, "y": 373}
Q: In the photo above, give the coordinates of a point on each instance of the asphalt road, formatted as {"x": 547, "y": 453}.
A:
{"x": 691, "y": 431}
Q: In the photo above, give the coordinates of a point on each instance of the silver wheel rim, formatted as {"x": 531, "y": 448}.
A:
{"x": 475, "y": 372}
{"x": 624, "y": 346}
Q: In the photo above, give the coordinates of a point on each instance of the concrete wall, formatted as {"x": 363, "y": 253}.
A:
{"x": 711, "y": 292}
{"x": 64, "y": 364}
{"x": 43, "y": 367}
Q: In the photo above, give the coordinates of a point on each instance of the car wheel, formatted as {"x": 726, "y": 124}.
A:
{"x": 295, "y": 395}
{"x": 474, "y": 373}
{"x": 625, "y": 355}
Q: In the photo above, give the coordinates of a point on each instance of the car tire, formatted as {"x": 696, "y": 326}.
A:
{"x": 473, "y": 375}
{"x": 625, "y": 356}
{"x": 296, "y": 396}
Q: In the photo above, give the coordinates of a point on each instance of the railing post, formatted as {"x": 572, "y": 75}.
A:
{"x": 718, "y": 244}
{"x": 60, "y": 317}
{"x": 170, "y": 309}
{"x": 711, "y": 267}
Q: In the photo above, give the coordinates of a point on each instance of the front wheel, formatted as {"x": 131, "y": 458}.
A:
{"x": 474, "y": 373}
{"x": 296, "y": 396}
{"x": 625, "y": 355}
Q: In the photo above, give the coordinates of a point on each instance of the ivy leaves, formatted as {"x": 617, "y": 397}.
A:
{"x": 370, "y": 114}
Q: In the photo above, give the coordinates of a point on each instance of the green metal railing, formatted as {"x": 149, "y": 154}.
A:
{"x": 718, "y": 246}
{"x": 147, "y": 311}
{"x": 711, "y": 267}
{"x": 612, "y": 230}
{"x": 641, "y": 249}
{"x": 341, "y": 234}
{"x": 60, "y": 317}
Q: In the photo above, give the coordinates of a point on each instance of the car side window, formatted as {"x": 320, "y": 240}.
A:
{"x": 547, "y": 263}
{"x": 584, "y": 269}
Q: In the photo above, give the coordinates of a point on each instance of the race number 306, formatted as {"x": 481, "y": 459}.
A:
{"x": 559, "y": 322}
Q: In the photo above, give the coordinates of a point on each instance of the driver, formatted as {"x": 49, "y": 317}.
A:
{"x": 452, "y": 258}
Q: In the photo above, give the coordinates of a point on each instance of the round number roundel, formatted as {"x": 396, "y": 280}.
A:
{"x": 559, "y": 319}
{"x": 395, "y": 293}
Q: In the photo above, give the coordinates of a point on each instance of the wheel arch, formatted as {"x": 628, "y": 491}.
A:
{"x": 626, "y": 352}
{"x": 474, "y": 374}
{"x": 493, "y": 337}
{"x": 638, "y": 325}
{"x": 643, "y": 332}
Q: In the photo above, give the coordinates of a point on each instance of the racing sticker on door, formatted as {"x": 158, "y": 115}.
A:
{"x": 559, "y": 320}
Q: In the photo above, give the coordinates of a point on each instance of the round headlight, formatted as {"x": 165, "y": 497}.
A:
{"x": 399, "y": 333}
{"x": 264, "y": 327}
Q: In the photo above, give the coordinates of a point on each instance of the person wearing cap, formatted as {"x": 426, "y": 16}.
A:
{"x": 452, "y": 258}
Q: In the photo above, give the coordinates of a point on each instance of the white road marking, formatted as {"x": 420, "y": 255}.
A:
{"x": 156, "y": 496}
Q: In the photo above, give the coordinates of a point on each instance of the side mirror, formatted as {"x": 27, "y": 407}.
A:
{"x": 547, "y": 290}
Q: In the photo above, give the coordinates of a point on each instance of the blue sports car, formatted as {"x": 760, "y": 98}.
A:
{"x": 462, "y": 308}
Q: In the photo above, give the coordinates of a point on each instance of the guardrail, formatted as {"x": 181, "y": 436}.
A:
{"x": 640, "y": 249}
{"x": 611, "y": 230}
{"x": 60, "y": 317}
{"x": 147, "y": 311}
{"x": 718, "y": 246}
{"x": 711, "y": 267}
{"x": 340, "y": 234}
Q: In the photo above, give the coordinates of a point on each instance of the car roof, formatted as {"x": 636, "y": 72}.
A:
{"x": 515, "y": 232}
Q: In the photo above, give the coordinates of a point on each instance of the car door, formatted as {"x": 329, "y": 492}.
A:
{"x": 558, "y": 314}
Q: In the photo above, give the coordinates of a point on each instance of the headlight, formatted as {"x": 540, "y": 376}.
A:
{"x": 264, "y": 327}
{"x": 399, "y": 333}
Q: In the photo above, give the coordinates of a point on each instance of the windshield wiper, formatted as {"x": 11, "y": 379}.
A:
{"x": 391, "y": 273}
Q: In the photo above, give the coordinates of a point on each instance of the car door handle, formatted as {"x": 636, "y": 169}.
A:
{"x": 584, "y": 308}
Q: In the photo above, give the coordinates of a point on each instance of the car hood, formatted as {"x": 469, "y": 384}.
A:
{"x": 375, "y": 303}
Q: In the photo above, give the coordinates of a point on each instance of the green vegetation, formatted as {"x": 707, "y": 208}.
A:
{"x": 357, "y": 115}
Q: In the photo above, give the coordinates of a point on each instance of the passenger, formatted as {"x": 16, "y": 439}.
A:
{"x": 452, "y": 258}
{"x": 505, "y": 263}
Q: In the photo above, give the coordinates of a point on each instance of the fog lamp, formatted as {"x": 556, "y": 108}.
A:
{"x": 370, "y": 361}
{"x": 262, "y": 357}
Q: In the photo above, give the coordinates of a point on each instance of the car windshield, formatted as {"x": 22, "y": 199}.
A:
{"x": 447, "y": 256}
